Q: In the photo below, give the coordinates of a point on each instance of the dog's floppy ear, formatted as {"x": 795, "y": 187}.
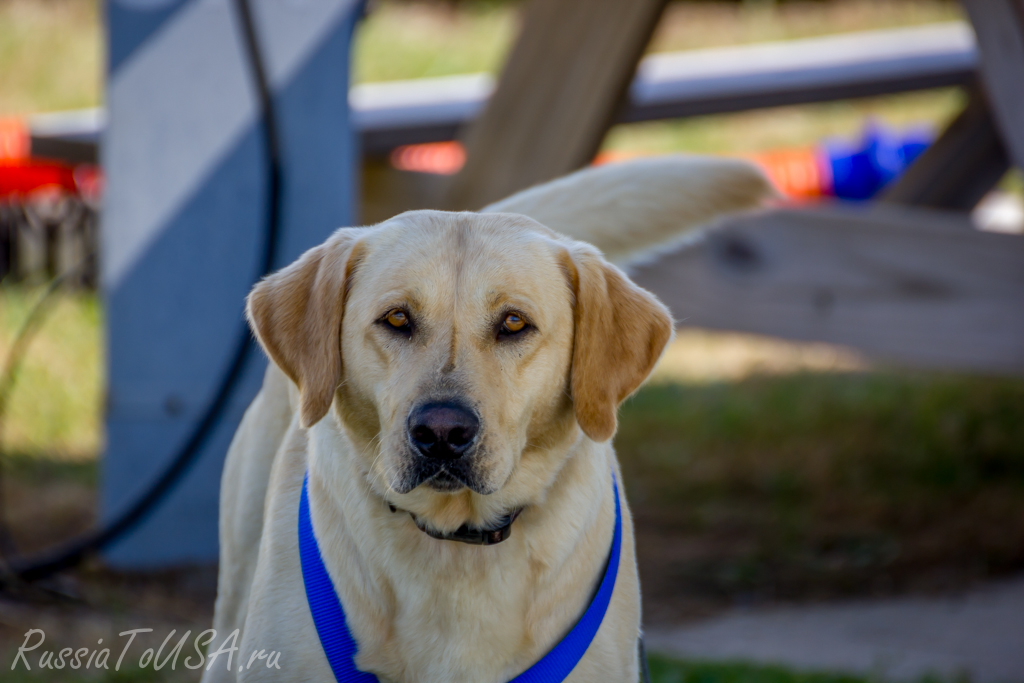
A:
{"x": 621, "y": 331}
{"x": 296, "y": 315}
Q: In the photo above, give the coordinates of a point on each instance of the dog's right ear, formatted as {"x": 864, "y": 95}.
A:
{"x": 296, "y": 315}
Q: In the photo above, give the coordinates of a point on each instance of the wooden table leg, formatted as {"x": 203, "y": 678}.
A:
{"x": 999, "y": 25}
{"x": 960, "y": 167}
{"x": 557, "y": 96}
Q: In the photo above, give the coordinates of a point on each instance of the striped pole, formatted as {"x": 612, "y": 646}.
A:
{"x": 183, "y": 228}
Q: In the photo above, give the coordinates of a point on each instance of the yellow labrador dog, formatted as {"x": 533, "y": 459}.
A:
{"x": 446, "y": 376}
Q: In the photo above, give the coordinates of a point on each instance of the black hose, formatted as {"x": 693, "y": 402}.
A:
{"x": 73, "y": 552}
{"x": 15, "y": 356}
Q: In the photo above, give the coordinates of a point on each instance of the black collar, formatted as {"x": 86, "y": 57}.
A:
{"x": 472, "y": 535}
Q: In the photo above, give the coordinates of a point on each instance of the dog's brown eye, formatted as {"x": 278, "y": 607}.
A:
{"x": 513, "y": 323}
{"x": 397, "y": 318}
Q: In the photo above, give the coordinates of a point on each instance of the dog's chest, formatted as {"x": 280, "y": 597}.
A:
{"x": 441, "y": 623}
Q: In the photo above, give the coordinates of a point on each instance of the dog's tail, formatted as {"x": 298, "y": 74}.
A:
{"x": 625, "y": 209}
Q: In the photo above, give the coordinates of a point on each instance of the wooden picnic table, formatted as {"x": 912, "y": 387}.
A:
{"x": 906, "y": 278}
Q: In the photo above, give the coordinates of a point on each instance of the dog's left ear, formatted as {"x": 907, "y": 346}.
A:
{"x": 296, "y": 314}
{"x": 621, "y": 331}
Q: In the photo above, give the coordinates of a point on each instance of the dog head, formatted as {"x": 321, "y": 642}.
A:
{"x": 462, "y": 353}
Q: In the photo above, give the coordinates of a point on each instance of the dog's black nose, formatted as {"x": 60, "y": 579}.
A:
{"x": 443, "y": 430}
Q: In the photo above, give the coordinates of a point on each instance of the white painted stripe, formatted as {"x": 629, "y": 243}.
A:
{"x": 183, "y": 102}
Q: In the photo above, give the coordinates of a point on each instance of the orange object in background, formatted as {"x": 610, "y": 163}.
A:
{"x": 15, "y": 140}
{"x": 22, "y": 176}
{"x": 799, "y": 174}
{"x": 615, "y": 156}
{"x": 441, "y": 158}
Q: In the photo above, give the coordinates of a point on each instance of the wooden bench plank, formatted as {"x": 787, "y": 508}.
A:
{"x": 915, "y": 286}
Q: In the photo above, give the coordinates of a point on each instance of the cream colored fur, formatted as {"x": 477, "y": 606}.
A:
{"x": 425, "y": 610}
{"x": 625, "y": 209}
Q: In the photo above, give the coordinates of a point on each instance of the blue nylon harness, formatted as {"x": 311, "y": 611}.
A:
{"x": 340, "y": 647}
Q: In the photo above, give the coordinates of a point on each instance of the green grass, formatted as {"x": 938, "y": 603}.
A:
{"x": 403, "y": 40}
{"x": 57, "y": 401}
{"x": 50, "y": 55}
{"x": 693, "y": 25}
{"x": 664, "y": 670}
{"x": 805, "y": 484}
{"x": 767, "y": 129}
{"x": 906, "y": 433}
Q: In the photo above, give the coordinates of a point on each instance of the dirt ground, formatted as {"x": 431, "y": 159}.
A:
{"x": 92, "y": 606}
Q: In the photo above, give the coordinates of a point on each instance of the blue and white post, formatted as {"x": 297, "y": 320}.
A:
{"x": 184, "y": 223}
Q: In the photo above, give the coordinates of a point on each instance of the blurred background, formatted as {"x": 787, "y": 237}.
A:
{"x": 805, "y": 511}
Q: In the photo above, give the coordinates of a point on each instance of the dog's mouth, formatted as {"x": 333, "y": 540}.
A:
{"x": 446, "y": 482}
{"x": 443, "y": 476}
{"x": 448, "y": 477}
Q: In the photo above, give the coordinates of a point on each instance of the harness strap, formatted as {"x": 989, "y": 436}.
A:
{"x": 340, "y": 647}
